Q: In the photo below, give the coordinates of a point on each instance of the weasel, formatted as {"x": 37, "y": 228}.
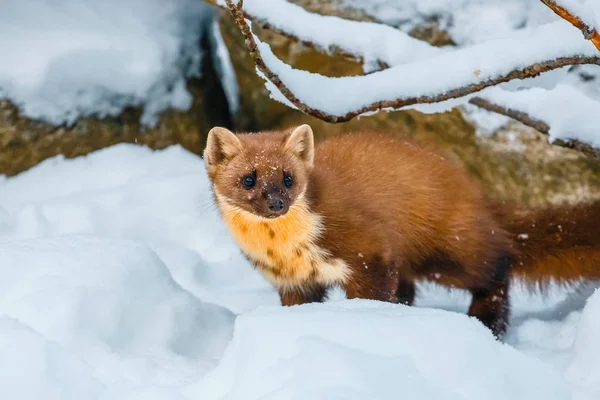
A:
{"x": 374, "y": 214}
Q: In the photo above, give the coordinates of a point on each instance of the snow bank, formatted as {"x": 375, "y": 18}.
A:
{"x": 35, "y": 368}
{"x": 118, "y": 281}
{"x": 127, "y": 191}
{"x": 115, "y": 304}
{"x": 67, "y": 58}
{"x": 584, "y": 368}
{"x": 117, "y": 260}
{"x": 367, "y": 350}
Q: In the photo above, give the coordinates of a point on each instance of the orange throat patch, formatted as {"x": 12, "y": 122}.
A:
{"x": 284, "y": 248}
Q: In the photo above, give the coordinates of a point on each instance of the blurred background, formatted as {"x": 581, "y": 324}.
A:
{"x": 78, "y": 76}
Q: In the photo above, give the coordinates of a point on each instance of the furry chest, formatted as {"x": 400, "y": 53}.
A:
{"x": 285, "y": 249}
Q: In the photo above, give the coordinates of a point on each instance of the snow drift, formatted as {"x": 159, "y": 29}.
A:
{"x": 119, "y": 281}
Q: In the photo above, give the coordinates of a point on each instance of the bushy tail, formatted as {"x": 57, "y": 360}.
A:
{"x": 558, "y": 244}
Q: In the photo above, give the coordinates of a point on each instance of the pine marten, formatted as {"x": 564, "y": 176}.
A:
{"x": 374, "y": 213}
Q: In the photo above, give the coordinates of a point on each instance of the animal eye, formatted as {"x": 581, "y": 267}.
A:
{"x": 288, "y": 181}
{"x": 249, "y": 181}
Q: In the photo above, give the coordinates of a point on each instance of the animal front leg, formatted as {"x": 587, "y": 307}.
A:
{"x": 302, "y": 295}
{"x": 379, "y": 285}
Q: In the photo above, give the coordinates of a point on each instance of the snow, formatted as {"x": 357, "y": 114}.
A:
{"x": 376, "y": 42}
{"x": 361, "y": 350}
{"x": 103, "y": 297}
{"x": 119, "y": 281}
{"x": 40, "y": 368}
{"x": 584, "y": 365}
{"x": 68, "y": 58}
{"x": 468, "y": 21}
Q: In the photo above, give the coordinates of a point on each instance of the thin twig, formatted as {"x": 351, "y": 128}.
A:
{"x": 589, "y": 32}
{"x": 517, "y": 115}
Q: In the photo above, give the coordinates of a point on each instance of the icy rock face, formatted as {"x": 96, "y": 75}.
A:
{"x": 115, "y": 304}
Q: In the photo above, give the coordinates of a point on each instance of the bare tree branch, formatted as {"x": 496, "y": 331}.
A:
{"x": 589, "y": 32}
{"x": 579, "y": 146}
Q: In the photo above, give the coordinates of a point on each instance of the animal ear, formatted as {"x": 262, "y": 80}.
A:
{"x": 221, "y": 145}
{"x": 301, "y": 142}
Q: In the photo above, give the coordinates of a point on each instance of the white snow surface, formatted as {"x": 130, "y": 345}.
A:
{"x": 63, "y": 59}
{"x": 118, "y": 280}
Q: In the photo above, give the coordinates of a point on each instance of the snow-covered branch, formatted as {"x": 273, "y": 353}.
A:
{"x": 411, "y": 73}
{"x": 376, "y": 45}
{"x": 444, "y": 76}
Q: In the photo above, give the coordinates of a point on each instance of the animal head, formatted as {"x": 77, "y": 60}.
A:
{"x": 261, "y": 173}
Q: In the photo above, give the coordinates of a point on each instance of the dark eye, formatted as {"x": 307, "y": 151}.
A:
{"x": 288, "y": 181}
{"x": 249, "y": 181}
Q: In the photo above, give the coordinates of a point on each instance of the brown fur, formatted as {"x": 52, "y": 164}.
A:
{"x": 369, "y": 212}
{"x": 560, "y": 244}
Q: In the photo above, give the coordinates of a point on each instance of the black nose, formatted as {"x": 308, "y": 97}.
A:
{"x": 276, "y": 205}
